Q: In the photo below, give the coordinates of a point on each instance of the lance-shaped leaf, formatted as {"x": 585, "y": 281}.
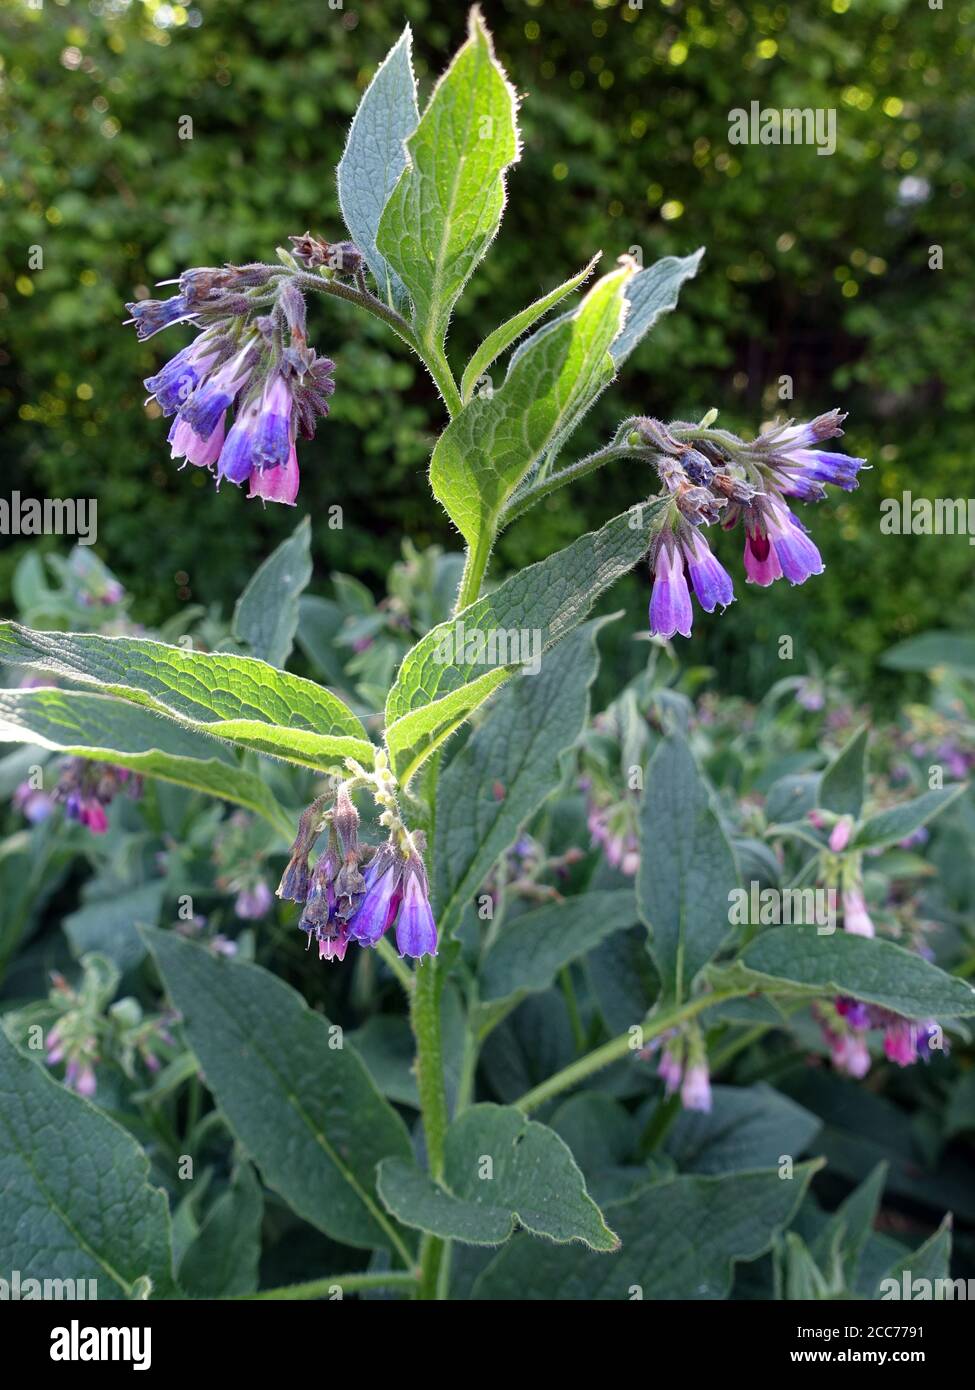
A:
{"x": 446, "y": 208}
{"x": 687, "y": 869}
{"x": 844, "y": 781}
{"x": 233, "y": 697}
{"x": 500, "y": 1170}
{"x": 77, "y": 1204}
{"x": 110, "y": 730}
{"x": 294, "y": 1092}
{"x": 875, "y": 971}
{"x": 457, "y": 665}
{"x": 531, "y": 950}
{"x": 897, "y": 822}
{"x": 680, "y": 1240}
{"x": 509, "y": 332}
{"x": 508, "y": 767}
{"x": 223, "y": 1259}
{"x": 266, "y": 615}
{"x": 650, "y": 294}
{"x": 375, "y": 156}
{"x": 487, "y": 450}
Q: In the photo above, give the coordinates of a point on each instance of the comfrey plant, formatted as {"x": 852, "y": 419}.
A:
{"x": 410, "y": 863}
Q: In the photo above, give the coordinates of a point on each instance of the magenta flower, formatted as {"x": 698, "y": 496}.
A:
{"x": 856, "y": 918}
{"x": 839, "y": 836}
{"x": 254, "y": 902}
{"x": 777, "y": 544}
{"x": 695, "y": 1091}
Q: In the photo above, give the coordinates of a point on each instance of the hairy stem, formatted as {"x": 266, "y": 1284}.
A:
{"x": 618, "y": 1047}
{"x": 544, "y": 487}
{"x": 348, "y": 1283}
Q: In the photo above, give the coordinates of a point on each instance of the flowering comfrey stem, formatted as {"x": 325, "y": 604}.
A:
{"x": 619, "y": 1047}
{"x": 522, "y": 501}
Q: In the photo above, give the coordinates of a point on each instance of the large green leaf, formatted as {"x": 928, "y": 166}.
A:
{"x": 687, "y": 869}
{"x": 233, "y": 697}
{"x": 76, "y": 1204}
{"x": 501, "y": 1169}
{"x": 508, "y": 332}
{"x": 266, "y": 615}
{"x": 444, "y": 677}
{"x": 102, "y": 727}
{"x": 651, "y": 293}
{"x": 507, "y": 769}
{"x": 875, "y": 971}
{"x": 747, "y": 1127}
{"x": 489, "y": 447}
{"x": 530, "y": 951}
{"x": 222, "y": 1260}
{"x": 375, "y": 156}
{"x": 929, "y": 650}
{"x": 446, "y": 208}
{"x": 680, "y": 1240}
{"x": 304, "y": 1108}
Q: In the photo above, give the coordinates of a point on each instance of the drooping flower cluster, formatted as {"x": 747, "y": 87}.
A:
{"x": 683, "y": 1067}
{"x": 239, "y": 853}
{"x": 341, "y": 903}
{"x": 86, "y": 788}
{"x": 252, "y": 355}
{"x": 711, "y": 476}
{"x": 845, "y": 1024}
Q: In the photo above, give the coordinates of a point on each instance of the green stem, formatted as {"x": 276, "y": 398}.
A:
{"x": 475, "y": 563}
{"x": 348, "y": 1283}
{"x": 616, "y": 1048}
{"x": 572, "y": 1005}
{"x": 439, "y": 368}
{"x": 546, "y": 486}
{"x": 425, "y": 1017}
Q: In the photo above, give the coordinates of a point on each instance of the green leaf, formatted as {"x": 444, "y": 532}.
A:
{"x": 489, "y": 447}
{"x": 687, "y": 870}
{"x": 501, "y": 1169}
{"x": 456, "y": 666}
{"x": 507, "y": 769}
{"x": 233, "y": 697}
{"x": 854, "y": 1218}
{"x": 223, "y": 1259}
{"x": 747, "y": 1127}
{"x": 529, "y": 952}
{"x": 375, "y": 156}
{"x": 103, "y": 728}
{"x": 844, "y": 781}
{"x": 930, "y": 1262}
{"x": 266, "y": 615}
{"x": 294, "y": 1092}
{"x": 875, "y": 971}
{"x": 109, "y": 925}
{"x": 650, "y": 294}
{"x": 501, "y": 339}
{"x": 446, "y": 208}
{"x": 680, "y": 1240}
{"x": 77, "y": 1204}
{"x": 897, "y": 822}
{"x": 928, "y": 650}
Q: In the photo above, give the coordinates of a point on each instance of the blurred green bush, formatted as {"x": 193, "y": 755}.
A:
{"x": 817, "y": 268}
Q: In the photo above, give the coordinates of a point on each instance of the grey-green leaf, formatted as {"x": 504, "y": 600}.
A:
{"x": 844, "y": 781}
{"x": 266, "y": 615}
{"x": 680, "y": 1240}
{"x": 233, "y": 697}
{"x": 77, "y": 1204}
{"x": 875, "y": 971}
{"x": 530, "y": 951}
{"x": 223, "y": 1259}
{"x": 687, "y": 869}
{"x": 456, "y": 666}
{"x": 897, "y": 822}
{"x": 446, "y": 208}
{"x": 375, "y": 156}
{"x": 507, "y": 769}
{"x": 102, "y": 727}
{"x": 294, "y": 1092}
{"x": 747, "y": 1127}
{"x": 650, "y": 294}
{"x": 501, "y": 1169}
